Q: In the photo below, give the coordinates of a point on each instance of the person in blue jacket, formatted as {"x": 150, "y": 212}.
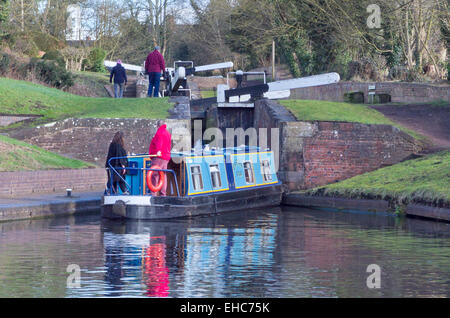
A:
{"x": 120, "y": 79}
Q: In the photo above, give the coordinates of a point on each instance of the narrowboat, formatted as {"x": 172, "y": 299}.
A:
{"x": 205, "y": 182}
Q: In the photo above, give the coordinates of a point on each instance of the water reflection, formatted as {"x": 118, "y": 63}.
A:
{"x": 275, "y": 252}
{"x": 205, "y": 256}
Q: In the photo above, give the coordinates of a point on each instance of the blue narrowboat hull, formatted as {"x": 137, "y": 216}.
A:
{"x": 157, "y": 207}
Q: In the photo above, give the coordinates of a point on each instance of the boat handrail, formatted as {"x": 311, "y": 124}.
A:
{"x": 133, "y": 168}
{"x": 164, "y": 170}
{"x": 120, "y": 176}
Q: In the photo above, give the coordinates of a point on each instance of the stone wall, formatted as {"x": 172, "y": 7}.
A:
{"x": 312, "y": 154}
{"x": 6, "y": 119}
{"x": 141, "y": 86}
{"x": 400, "y": 92}
{"x": 89, "y": 138}
{"x": 21, "y": 183}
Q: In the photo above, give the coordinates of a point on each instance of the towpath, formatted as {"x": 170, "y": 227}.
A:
{"x": 430, "y": 120}
{"x": 48, "y": 205}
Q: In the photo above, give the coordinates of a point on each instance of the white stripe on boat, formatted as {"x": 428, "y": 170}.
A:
{"x": 128, "y": 199}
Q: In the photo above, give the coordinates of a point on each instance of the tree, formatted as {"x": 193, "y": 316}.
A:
{"x": 74, "y": 57}
{"x": 252, "y": 29}
{"x": 4, "y": 15}
{"x": 4, "y": 10}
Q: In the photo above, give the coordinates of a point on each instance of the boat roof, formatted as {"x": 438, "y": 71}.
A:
{"x": 196, "y": 152}
{"x": 218, "y": 151}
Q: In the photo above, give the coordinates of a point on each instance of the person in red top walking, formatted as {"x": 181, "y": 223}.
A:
{"x": 154, "y": 65}
{"x": 160, "y": 146}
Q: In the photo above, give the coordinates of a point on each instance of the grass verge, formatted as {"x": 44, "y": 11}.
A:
{"x": 17, "y": 155}
{"x": 423, "y": 180}
{"x": 21, "y": 97}
{"x": 316, "y": 110}
{"x": 208, "y": 94}
{"x": 90, "y": 84}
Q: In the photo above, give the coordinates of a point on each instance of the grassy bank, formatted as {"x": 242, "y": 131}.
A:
{"x": 17, "y": 155}
{"x": 317, "y": 110}
{"x": 208, "y": 94}
{"x": 90, "y": 84}
{"x": 422, "y": 180}
{"x": 20, "y": 97}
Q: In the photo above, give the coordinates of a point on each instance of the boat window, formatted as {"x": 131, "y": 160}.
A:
{"x": 248, "y": 171}
{"x": 266, "y": 171}
{"x": 197, "y": 180}
{"x": 215, "y": 176}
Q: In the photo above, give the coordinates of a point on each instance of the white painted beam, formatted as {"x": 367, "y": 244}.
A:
{"x": 211, "y": 67}
{"x": 314, "y": 80}
{"x": 129, "y": 67}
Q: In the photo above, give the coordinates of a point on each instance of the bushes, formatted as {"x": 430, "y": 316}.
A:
{"x": 448, "y": 72}
{"x": 94, "y": 61}
{"x": 5, "y": 62}
{"x": 297, "y": 55}
{"x": 363, "y": 70}
{"x": 46, "y": 42}
{"x": 55, "y": 56}
{"x": 46, "y": 71}
{"x": 25, "y": 45}
{"x": 51, "y": 73}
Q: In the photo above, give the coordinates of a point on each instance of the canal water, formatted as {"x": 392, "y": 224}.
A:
{"x": 277, "y": 252}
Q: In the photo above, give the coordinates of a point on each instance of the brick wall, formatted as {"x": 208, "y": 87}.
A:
{"x": 19, "y": 183}
{"x": 89, "y": 138}
{"x": 400, "y": 92}
{"x": 312, "y": 154}
{"x": 337, "y": 151}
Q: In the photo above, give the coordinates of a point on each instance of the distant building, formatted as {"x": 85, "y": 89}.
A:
{"x": 74, "y": 30}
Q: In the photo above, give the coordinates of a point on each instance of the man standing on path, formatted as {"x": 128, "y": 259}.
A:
{"x": 160, "y": 146}
{"x": 154, "y": 65}
{"x": 120, "y": 79}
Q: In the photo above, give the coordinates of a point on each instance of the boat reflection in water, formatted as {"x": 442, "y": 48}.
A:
{"x": 155, "y": 270}
{"x": 269, "y": 252}
{"x": 140, "y": 253}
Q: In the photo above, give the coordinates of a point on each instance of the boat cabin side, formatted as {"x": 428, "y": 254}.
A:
{"x": 189, "y": 174}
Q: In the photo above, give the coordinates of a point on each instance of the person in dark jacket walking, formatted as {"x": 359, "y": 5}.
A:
{"x": 116, "y": 150}
{"x": 120, "y": 79}
{"x": 154, "y": 65}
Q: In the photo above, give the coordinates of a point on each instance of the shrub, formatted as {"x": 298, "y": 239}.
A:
{"x": 364, "y": 69}
{"x": 23, "y": 43}
{"x": 448, "y": 72}
{"x": 400, "y": 73}
{"x": 95, "y": 59}
{"x": 5, "y": 62}
{"x": 46, "y": 42}
{"x": 51, "y": 73}
{"x": 54, "y": 55}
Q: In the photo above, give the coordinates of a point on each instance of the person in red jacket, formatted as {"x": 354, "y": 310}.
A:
{"x": 154, "y": 66}
{"x": 160, "y": 146}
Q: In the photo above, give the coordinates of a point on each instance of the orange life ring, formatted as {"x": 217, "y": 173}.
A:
{"x": 149, "y": 179}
